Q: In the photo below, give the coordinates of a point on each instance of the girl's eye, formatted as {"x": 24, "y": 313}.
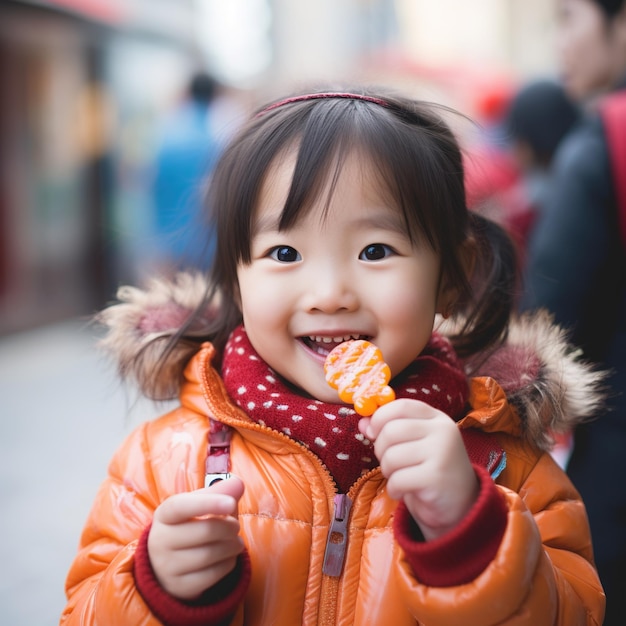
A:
{"x": 375, "y": 252}
{"x": 285, "y": 254}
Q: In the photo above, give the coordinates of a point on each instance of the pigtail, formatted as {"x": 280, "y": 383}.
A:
{"x": 490, "y": 302}
{"x": 153, "y": 332}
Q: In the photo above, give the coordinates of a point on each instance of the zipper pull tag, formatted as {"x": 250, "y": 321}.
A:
{"x": 217, "y": 464}
{"x": 337, "y": 536}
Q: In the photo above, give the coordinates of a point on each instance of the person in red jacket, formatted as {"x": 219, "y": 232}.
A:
{"x": 262, "y": 498}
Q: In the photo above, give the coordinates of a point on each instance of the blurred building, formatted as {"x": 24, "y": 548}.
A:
{"x": 70, "y": 71}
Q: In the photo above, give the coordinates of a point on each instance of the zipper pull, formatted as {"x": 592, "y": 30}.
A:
{"x": 337, "y": 536}
{"x": 217, "y": 464}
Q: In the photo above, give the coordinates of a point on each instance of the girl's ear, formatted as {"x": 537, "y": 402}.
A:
{"x": 448, "y": 296}
{"x": 446, "y": 301}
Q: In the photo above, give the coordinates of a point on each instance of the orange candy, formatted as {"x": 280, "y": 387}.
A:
{"x": 357, "y": 370}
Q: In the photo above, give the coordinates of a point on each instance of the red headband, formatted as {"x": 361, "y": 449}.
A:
{"x": 326, "y": 94}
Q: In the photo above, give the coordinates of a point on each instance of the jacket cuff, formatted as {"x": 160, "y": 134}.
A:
{"x": 216, "y": 606}
{"x": 460, "y": 555}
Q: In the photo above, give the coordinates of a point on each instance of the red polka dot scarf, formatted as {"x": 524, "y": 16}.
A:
{"x": 331, "y": 430}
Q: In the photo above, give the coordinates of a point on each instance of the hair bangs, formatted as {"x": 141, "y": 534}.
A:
{"x": 326, "y": 139}
{"x": 409, "y": 160}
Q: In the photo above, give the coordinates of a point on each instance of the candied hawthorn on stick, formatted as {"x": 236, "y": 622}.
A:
{"x": 357, "y": 370}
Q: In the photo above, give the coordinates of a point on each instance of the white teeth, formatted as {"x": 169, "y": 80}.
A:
{"x": 320, "y": 339}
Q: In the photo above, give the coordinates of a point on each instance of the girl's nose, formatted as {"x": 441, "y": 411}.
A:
{"x": 331, "y": 291}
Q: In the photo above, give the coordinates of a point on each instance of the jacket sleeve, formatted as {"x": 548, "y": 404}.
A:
{"x": 100, "y": 585}
{"x": 463, "y": 553}
{"x": 542, "y": 573}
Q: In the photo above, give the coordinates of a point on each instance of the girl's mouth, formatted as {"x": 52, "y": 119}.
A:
{"x": 323, "y": 344}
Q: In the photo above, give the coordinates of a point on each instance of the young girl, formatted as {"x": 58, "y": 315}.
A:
{"x": 341, "y": 216}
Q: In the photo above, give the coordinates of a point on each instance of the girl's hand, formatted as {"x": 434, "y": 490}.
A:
{"x": 422, "y": 455}
{"x": 194, "y": 540}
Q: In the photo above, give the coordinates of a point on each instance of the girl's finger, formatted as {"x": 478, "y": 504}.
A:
{"x": 197, "y": 559}
{"x": 183, "y": 507}
{"x": 199, "y": 532}
{"x": 398, "y": 409}
{"x": 232, "y": 487}
{"x": 190, "y": 585}
{"x": 402, "y": 455}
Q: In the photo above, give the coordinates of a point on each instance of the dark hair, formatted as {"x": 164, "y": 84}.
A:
{"x": 541, "y": 114}
{"x": 416, "y": 156}
{"x": 610, "y": 7}
{"x": 202, "y": 87}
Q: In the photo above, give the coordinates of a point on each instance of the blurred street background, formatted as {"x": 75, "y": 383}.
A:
{"x": 84, "y": 88}
{"x": 63, "y": 414}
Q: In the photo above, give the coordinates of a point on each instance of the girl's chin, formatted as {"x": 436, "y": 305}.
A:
{"x": 324, "y": 394}
{"x": 330, "y": 399}
{"x": 329, "y": 396}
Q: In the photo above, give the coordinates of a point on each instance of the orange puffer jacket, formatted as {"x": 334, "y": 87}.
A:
{"x": 286, "y": 513}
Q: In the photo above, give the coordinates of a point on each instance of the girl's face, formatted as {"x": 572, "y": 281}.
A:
{"x": 351, "y": 274}
{"x": 591, "y": 49}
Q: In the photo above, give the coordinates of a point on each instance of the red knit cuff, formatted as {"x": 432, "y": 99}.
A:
{"x": 216, "y": 606}
{"x": 460, "y": 555}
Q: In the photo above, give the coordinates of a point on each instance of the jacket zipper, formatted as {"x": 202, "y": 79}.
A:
{"x": 336, "y": 541}
{"x": 336, "y": 546}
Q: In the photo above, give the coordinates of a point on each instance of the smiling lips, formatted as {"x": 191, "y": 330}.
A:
{"x": 357, "y": 370}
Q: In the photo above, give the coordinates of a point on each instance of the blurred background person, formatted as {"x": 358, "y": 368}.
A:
{"x": 577, "y": 270}
{"x": 191, "y": 139}
{"x": 537, "y": 119}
